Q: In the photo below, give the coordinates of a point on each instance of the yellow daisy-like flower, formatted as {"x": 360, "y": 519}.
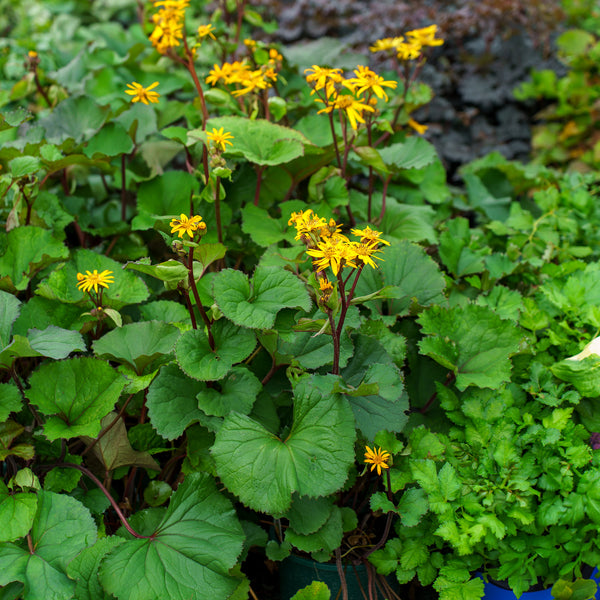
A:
{"x": 366, "y": 79}
{"x": 386, "y": 44}
{"x": 425, "y": 36}
{"x": 334, "y": 252}
{"x": 307, "y": 222}
{"x": 184, "y": 225}
{"x": 220, "y": 138}
{"x": 206, "y": 30}
{"x": 377, "y": 458}
{"x": 323, "y": 77}
{"x": 93, "y": 280}
{"x": 352, "y": 107}
{"x": 141, "y": 93}
{"x": 365, "y": 252}
{"x": 409, "y": 50}
{"x": 368, "y": 235}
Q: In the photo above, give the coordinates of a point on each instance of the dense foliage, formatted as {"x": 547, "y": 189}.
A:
{"x": 242, "y": 312}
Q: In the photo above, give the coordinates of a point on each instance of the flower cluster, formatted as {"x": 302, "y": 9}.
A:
{"x": 353, "y": 96}
{"x": 328, "y": 247}
{"x": 411, "y": 46}
{"x": 168, "y": 24}
{"x": 246, "y": 79}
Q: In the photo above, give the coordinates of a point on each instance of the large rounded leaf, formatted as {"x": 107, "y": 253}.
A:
{"x": 79, "y": 392}
{"x": 264, "y": 470}
{"x": 137, "y": 344}
{"x": 189, "y": 555}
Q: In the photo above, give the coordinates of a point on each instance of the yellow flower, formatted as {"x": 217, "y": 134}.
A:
{"x": 352, "y": 107}
{"x": 141, "y": 93}
{"x": 274, "y": 56}
{"x": 218, "y": 73}
{"x": 332, "y": 252}
{"x": 184, "y": 225}
{"x": 250, "y": 44}
{"x": 368, "y": 235}
{"x": 365, "y": 252}
{"x": 168, "y": 24}
{"x": 93, "y": 280}
{"x": 425, "y": 36}
{"x": 307, "y": 222}
{"x": 219, "y": 138}
{"x": 32, "y": 54}
{"x": 324, "y": 78}
{"x": 386, "y": 44}
{"x": 369, "y": 80}
{"x": 206, "y": 30}
{"x": 377, "y": 458}
{"x": 409, "y": 50}
{"x": 418, "y": 127}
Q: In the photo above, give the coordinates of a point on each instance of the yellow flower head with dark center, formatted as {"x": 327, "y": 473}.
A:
{"x": 141, "y": 93}
{"x": 322, "y": 77}
{"x": 368, "y": 80}
{"x": 386, "y": 44}
{"x": 352, "y": 107}
{"x": 93, "y": 280}
{"x": 377, "y": 458}
{"x": 184, "y": 225}
{"x": 334, "y": 252}
{"x": 206, "y": 30}
{"x": 425, "y": 36}
{"x": 368, "y": 235}
{"x": 219, "y": 138}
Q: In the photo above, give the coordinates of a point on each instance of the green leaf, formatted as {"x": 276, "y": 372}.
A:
{"x": 408, "y": 274}
{"x": 9, "y": 311}
{"x": 232, "y": 345}
{"x": 261, "y": 226}
{"x": 451, "y": 590}
{"x": 255, "y": 305}
{"x": 258, "y": 141}
{"x": 28, "y": 250}
{"x": 238, "y": 392}
{"x": 407, "y": 222}
{"x": 385, "y": 407}
{"x": 77, "y": 117}
{"x": 61, "y": 529}
{"x": 17, "y": 512}
{"x": 137, "y": 344}
{"x": 327, "y": 538}
{"x": 412, "y": 506}
{"x": 189, "y": 555}
{"x": 414, "y": 153}
{"x": 164, "y": 197}
{"x": 317, "y": 590}
{"x": 455, "y": 251}
{"x": 157, "y": 492}
{"x": 171, "y": 401}
{"x": 113, "y": 450}
{"x": 168, "y": 271}
{"x": 84, "y": 569}
{"x": 62, "y": 282}
{"x": 264, "y": 470}
{"x": 471, "y": 341}
{"x": 307, "y": 515}
{"x": 24, "y": 165}
{"x": 10, "y": 400}
{"x": 583, "y": 374}
{"x": 77, "y": 392}
{"x": 111, "y": 140}
{"x": 55, "y": 342}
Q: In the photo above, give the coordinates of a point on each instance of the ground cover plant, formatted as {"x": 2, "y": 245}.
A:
{"x": 241, "y": 311}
